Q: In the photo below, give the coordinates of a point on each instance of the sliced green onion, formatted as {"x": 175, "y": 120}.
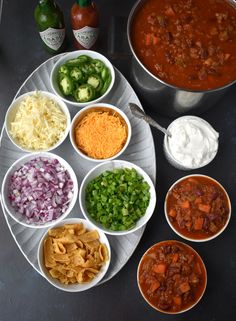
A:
{"x": 117, "y": 199}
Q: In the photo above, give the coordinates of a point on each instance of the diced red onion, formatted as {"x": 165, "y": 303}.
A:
{"x": 41, "y": 190}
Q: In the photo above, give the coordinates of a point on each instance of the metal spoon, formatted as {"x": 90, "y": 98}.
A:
{"x": 139, "y": 113}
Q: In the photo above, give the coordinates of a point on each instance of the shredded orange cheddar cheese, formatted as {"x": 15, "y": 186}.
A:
{"x": 101, "y": 134}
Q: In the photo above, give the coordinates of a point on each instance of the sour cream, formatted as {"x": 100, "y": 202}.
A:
{"x": 193, "y": 142}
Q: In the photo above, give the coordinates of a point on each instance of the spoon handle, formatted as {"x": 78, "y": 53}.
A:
{"x": 139, "y": 113}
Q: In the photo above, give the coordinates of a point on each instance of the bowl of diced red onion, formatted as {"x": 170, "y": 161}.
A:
{"x": 39, "y": 190}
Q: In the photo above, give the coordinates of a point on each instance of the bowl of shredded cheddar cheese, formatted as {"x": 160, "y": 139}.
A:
{"x": 100, "y": 132}
{"x": 37, "y": 121}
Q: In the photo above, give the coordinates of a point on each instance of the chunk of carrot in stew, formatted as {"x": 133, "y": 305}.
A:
{"x": 185, "y": 204}
{"x": 154, "y": 40}
{"x": 172, "y": 212}
{"x": 184, "y": 287}
{"x": 175, "y": 257}
{"x": 204, "y": 208}
{"x": 170, "y": 12}
{"x": 151, "y": 39}
{"x": 198, "y": 269}
{"x": 154, "y": 286}
{"x": 159, "y": 268}
{"x": 192, "y": 180}
{"x": 188, "y": 224}
{"x": 177, "y": 300}
{"x": 148, "y": 39}
{"x": 198, "y": 200}
{"x": 198, "y": 223}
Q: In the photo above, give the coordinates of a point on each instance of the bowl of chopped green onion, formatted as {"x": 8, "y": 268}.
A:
{"x": 117, "y": 197}
{"x": 82, "y": 77}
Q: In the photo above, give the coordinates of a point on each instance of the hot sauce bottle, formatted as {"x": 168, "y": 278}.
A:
{"x": 85, "y": 23}
{"x": 50, "y": 22}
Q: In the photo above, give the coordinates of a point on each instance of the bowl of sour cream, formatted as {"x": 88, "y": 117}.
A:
{"x": 193, "y": 143}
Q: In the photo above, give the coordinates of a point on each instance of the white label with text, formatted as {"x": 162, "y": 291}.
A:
{"x": 53, "y": 38}
{"x": 86, "y": 36}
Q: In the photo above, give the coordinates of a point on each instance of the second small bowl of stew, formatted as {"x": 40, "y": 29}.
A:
{"x": 197, "y": 208}
{"x": 171, "y": 277}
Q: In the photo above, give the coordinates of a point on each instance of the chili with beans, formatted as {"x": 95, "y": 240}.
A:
{"x": 172, "y": 276}
{"x": 197, "y": 207}
{"x": 187, "y": 43}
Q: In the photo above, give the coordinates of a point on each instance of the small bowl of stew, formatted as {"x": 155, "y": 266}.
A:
{"x": 171, "y": 277}
{"x": 197, "y": 208}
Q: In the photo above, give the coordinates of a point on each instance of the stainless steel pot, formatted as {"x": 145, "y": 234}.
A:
{"x": 162, "y": 97}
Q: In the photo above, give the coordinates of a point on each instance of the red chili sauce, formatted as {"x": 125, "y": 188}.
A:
{"x": 197, "y": 207}
{"x": 190, "y": 44}
{"x": 172, "y": 276}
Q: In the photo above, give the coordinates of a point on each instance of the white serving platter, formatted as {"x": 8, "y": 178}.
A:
{"x": 141, "y": 151}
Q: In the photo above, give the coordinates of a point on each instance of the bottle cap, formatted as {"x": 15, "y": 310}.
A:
{"x": 83, "y": 3}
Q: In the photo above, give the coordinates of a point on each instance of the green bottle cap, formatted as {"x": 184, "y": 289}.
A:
{"x": 43, "y": 2}
{"x": 84, "y": 3}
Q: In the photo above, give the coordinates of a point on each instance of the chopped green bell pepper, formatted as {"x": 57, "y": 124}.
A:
{"x": 64, "y": 70}
{"x": 84, "y": 93}
{"x": 106, "y": 85}
{"x": 76, "y": 74}
{"x": 95, "y": 81}
{"x": 84, "y": 58}
{"x": 105, "y": 73}
{"x": 87, "y": 69}
{"x": 66, "y": 85}
{"x": 98, "y": 65}
{"x": 73, "y": 62}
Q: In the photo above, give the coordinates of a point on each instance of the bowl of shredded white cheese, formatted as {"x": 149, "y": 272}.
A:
{"x": 37, "y": 121}
{"x": 193, "y": 143}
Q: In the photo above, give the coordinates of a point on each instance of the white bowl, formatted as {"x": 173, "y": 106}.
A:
{"x": 189, "y": 248}
{"x": 190, "y": 238}
{"x": 11, "y": 112}
{"x": 72, "y": 55}
{"x": 19, "y": 218}
{"x": 96, "y": 107}
{"x": 74, "y": 287}
{"x": 204, "y": 127}
{"x": 110, "y": 165}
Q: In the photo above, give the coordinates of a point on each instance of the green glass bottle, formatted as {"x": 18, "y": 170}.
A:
{"x": 50, "y": 22}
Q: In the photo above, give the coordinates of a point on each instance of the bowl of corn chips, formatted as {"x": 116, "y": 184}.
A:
{"x": 73, "y": 256}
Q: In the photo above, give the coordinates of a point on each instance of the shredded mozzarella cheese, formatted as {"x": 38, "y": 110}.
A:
{"x": 39, "y": 123}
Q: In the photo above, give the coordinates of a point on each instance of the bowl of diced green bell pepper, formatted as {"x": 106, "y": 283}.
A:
{"x": 82, "y": 77}
{"x": 117, "y": 197}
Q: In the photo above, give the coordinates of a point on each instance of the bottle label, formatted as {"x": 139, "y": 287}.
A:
{"x": 53, "y": 38}
{"x": 86, "y": 36}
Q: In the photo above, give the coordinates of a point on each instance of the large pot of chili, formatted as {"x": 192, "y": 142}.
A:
{"x": 184, "y": 53}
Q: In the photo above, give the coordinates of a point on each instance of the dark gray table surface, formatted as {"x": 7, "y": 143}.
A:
{"x": 24, "y": 294}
